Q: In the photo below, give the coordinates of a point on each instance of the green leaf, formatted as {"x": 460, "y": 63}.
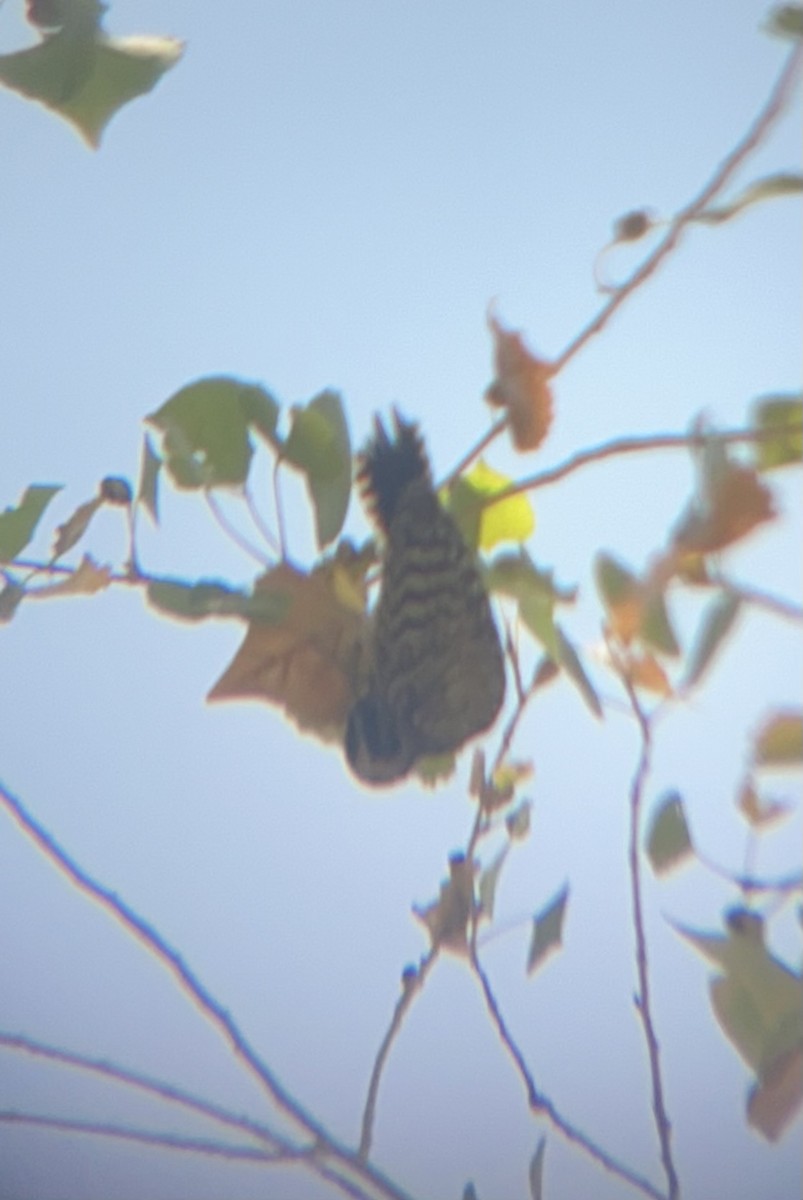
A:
{"x": 320, "y": 447}
{"x": 783, "y": 183}
{"x": 10, "y": 597}
{"x": 786, "y": 21}
{"x": 656, "y": 628}
{"x": 71, "y": 532}
{"x": 616, "y": 584}
{"x": 715, "y": 626}
{"x": 757, "y": 1000}
{"x": 17, "y": 525}
{"x": 569, "y": 661}
{"x": 207, "y": 598}
{"x": 547, "y": 929}
{"x": 516, "y": 575}
{"x": 85, "y": 76}
{"x": 668, "y": 839}
{"x": 535, "y": 1174}
{"x": 779, "y": 742}
{"x": 262, "y": 412}
{"x": 433, "y": 769}
{"x": 783, "y": 416}
{"x": 206, "y": 442}
{"x": 486, "y": 888}
{"x": 148, "y": 491}
{"x": 485, "y": 524}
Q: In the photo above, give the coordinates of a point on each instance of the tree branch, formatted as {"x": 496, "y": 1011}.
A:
{"x": 643, "y": 1003}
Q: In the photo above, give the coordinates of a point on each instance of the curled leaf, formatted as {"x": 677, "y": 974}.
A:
{"x": 521, "y": 386}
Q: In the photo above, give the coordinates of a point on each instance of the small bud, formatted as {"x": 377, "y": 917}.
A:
{"x": 115, "y": 490}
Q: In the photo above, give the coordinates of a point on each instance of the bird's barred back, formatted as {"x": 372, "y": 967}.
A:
{"x": 437, "y": 675}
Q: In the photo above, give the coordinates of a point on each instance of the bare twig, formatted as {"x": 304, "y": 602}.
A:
{"x": 411, "y": 986}
{"x": 772, "y": 108}
{"x": 777, "y": 605}
{"x": 327, "y": 1145}
{"x": 541, "y": 1105}
{"x": 155, "y": 1087}
{"x": 277, "y": 500}
{"x": 782, "y": 884}
{"x": 643, "y": 1003}
{"x": 636, "y": 444}
{"x": 165, "y": 1141}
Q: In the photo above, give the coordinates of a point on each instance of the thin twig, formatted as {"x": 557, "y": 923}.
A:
{"x": 232, "y": 531}
{"x": 752, "y": 883}
{"x": 635, "y": 444}
{"x": 777, "y": 605}
{"x": 155, "y": 1087}
{"x": 192, "y": 986}
{"x": 411, "y": 986}
{"x": 643, "y": 1002}
{"x": 771, "y": 109}
{"x": 164, "y": 1141}
{"x": 261, "y": 524}
{"x": 543, "y": 1106}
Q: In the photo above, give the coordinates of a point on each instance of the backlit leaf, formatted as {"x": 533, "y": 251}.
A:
{"x": 760, "y": 813}
{"x": 715, "y": 626}
{"x": 483, "y": 523}
{"x": 148, "y": 490}
{"x": 446, "y": 919}
{"x": 570, "y": 662}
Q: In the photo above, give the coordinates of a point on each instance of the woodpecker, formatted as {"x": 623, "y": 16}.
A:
{"x": 436, "y": 674}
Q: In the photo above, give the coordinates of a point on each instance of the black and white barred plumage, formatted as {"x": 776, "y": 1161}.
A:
{"x": 437, "y": 674}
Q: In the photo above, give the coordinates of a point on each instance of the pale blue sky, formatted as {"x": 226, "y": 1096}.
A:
{"x": 329, "y": 195}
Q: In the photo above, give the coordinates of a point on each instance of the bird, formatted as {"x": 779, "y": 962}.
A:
{"x": 436, "y": 669}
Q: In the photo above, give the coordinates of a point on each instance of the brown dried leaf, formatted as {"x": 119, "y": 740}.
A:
{"x": 521, "y": 386}
{"x": 645, "y": 671}
{"x": 308, "y": 663}
{"x": 74, "y": 529}
{"x": 737, "y": 503}
{"x": 758, "y": 812}
{"x": 85, "y": 580}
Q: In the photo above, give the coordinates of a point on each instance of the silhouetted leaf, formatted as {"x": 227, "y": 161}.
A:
{"x": 71, "y": 532}
{"x": 518, "y": 822}
{"x": 786, "y": 21}
{"x": 320, "y": 447}
{"x": 489, "y": 878}
{"x": 261, "y": 411}
{"x": 11, "y": 596}
{"x": 668, "y": 840}
{"x": 446, "y": 919}
{"x": 547, "y": 929}
{"x": 715, "y": 626}
{"x": 17, "y": 525}
{"x": 536, "y": 1171}
{"x": 148, "y": 491}
{"x": 570, "y": 662}
{"x": 536, "y": 592}
{"x": 620, "y": 590}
